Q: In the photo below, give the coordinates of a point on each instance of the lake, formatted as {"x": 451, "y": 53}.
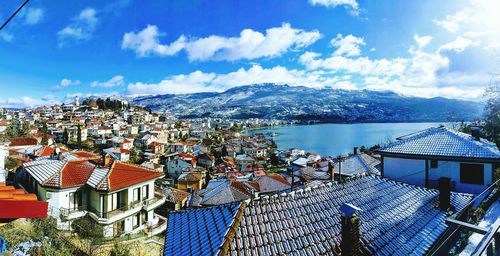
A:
{"x": 336, "y": 139}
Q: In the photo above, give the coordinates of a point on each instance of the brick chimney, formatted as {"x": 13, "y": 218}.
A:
{"x": 444, "y": 193}
{"x": 355, "y": 150}
{"x": 330, "y": 170}
{"x": 351, "y": 243}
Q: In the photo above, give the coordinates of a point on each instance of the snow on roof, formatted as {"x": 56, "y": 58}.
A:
{"x": 443, "y": 142}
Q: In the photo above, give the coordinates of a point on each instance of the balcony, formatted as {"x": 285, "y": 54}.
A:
{"x": 116, "y": 214}
{"x": 159, "y": 225}
{"x": 73, "y": 213}
{"x": 154, "y": 202}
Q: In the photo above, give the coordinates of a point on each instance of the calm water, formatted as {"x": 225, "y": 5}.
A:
{"x": 335, "y": 139}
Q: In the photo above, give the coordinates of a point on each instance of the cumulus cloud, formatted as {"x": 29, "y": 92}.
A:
{"x": 422, "y": 41}
{"x": 248, "y": 45}
{"x": 199, "y": 81}
{"x": 458, "y": 45}
{"x": 348, "y": 45}
{"x": 114, "y": 81}
{"x": 422, "y": 73}
{"x": 453, "y": 22}
{"x": 352, "y": 4}
{"x": 66, "y": 83}
{"x": 81, "y": 28}
{"x": 28, "y": 102}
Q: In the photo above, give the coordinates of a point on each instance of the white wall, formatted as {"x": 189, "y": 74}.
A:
{"x": 407, "y": 170}
{"x": 452, "y": 170}
{"x": 413, "y": 171}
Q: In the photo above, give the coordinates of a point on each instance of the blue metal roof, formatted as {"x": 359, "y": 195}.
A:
{"x": 444, "y": 142}
{"x": 199, "y": 231}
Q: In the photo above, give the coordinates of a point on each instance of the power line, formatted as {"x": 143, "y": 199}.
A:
{"x": 14, "y": 14}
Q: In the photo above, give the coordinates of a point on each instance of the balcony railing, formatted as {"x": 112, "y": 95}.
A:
{"x": 152, "y": 201}
{"x": 112, "y": 213}
{"x": 66, "y": 212}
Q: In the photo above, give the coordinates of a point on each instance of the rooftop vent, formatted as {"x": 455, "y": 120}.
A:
{"x": 476, "y": 133}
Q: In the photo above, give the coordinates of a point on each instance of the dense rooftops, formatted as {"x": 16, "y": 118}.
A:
{"x": 443, "y": 142}
{"x": 396, "y": 217}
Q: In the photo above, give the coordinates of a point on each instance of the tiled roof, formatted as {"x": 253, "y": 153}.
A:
{"x": 310, "y": 173}
{"x": 358, "y": 164}
{"x": 444, "y": 142}
{"x": 60, "y": 173}
{"x": 397, "y": 218}
{"x": 199, "y": 231}
{"x": 123, "y": 175}
{"x": 225, "y": 193}
{"x": 271, "y": 183}
{"x": 22, "y": 142}
{"x": 17, "y": 204}
{"x": 174, "y": 195}
{"x": 46, "y": 151}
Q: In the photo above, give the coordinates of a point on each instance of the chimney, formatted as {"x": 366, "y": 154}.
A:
{"x": 476, "y": 133}
{"x": 355, "y": 151}
{"x": 444, "y": 193}
{"x": 351, "y": 243}
{"x": 330, "y": 170}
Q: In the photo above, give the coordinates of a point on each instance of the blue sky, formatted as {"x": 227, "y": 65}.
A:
{"x": 54, "y": 50}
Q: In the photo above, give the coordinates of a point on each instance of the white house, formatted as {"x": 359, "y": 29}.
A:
{"x": 120, "y": 198}
{"x": 423, "y": 157}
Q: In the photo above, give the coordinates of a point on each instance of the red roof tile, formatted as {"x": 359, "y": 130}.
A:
{"x": 76, "y": 173}
{"x": 123, "y": 175}
{"x": 47, "y": 151}
{"x": 22, "y": 142}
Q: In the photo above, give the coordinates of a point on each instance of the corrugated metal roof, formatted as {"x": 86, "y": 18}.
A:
{"x": 199, "y": 231}
{"x": 444, "y": 142}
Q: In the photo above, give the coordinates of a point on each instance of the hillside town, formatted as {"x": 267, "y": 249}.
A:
{"x": 124, "y": 174}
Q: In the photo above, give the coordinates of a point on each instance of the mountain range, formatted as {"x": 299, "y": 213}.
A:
{"x": 279, "y": 101}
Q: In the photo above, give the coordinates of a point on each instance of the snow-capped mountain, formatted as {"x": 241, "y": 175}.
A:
{"x": 303, "y": 103}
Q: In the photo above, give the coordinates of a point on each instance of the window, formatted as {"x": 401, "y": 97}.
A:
{"x": 145, "y": 192}
{"x": 137, "y": 194}
{"x": 136, "y": 220}
{"x": 434, "y": 163}
{"x": 472, "y": 173}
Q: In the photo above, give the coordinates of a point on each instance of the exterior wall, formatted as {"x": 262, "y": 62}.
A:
{"x": 401, "y": 169}
{"x": 413, "y": 171}
{"x": 452, "y": 170}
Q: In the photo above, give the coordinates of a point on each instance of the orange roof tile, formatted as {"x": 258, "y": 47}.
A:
{"x": 76, "y": 173}
{"x": 123, "y": 175}
{"x": 22, "y": 142}
{"x": 16, "y": 204}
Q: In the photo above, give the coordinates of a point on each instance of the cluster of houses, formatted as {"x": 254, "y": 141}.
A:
{"x": 214, "y": 189}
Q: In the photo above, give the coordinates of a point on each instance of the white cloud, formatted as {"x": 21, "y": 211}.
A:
{"x": 422, "y": 41}
{"x": 28, "y": 102}
{"x": 7, "y": 37}
{"x": 82, "y": 27}
{"x": 249, "y": 44}
{"x": 453, "y": 22}
{"x": 199, "y": 81}
{"x": 32, "y": 16}
{"x": 458, "y": 45}
{"x": 359, "y": 65}
{"x": 353, "y": 4}
{"x": 66, "y": 83}
{"x": 348, "y": 45}
{"x": 114, "y": 81}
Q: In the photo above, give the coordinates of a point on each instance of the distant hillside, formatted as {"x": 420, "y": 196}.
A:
{"x": 303, "y": 103}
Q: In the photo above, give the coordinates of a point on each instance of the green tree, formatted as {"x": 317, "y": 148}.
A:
{"x": 13, "y": 128}
{"x": 65, "y": 136}
{"x": 120, "y": 250}
{"x": 492, "y": 111}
